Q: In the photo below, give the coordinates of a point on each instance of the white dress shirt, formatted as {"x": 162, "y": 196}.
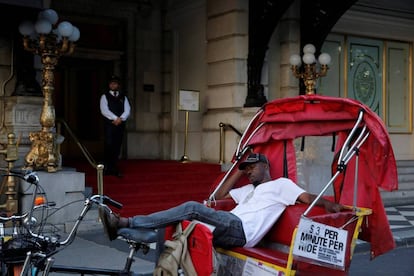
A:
{"x": 109, "y": 114}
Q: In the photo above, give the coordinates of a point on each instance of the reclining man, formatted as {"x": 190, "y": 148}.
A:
{"x": 259, "y": 205}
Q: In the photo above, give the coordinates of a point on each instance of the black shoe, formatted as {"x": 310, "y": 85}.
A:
{"x": 114, "y": 173}
{"x": 110, "y": 222}
{"x": 108, "y": 172}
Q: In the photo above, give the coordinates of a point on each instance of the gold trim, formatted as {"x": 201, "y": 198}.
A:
{"x": 361, "y": 212}
{"x": 244, "y": 258}
{"x": 410, "y": 87}
{"x": 290, "y": 258}
{"x": 406, "y": 127}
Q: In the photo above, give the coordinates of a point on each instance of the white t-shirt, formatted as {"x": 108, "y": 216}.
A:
{"x": 259, "y": 208}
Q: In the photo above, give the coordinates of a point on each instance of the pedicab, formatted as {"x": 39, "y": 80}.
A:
{"x": 307, "y": 240}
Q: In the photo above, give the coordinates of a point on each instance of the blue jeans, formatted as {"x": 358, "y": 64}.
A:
{"x": 228, "y": 230}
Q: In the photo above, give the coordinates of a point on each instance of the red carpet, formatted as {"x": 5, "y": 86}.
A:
{"x": 152, "y": 185}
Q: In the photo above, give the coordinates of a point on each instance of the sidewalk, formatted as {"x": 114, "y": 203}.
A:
{"x": 93, "y": 249}
{"x": 401, "y": 219}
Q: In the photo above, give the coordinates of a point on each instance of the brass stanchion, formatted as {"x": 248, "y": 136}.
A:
{"x": 185, "y": 158}
{"x": 222, "y": 142}
{"x": 99, "y": 172}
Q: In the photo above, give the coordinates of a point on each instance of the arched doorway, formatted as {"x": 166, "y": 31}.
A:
{"x": 79, "y": 84}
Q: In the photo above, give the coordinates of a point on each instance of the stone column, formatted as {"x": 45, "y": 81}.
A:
{"x": 289, "y": 34}
{"x": 227, "y": 50}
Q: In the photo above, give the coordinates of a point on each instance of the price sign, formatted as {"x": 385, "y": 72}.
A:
{"x": 320, "y": 242}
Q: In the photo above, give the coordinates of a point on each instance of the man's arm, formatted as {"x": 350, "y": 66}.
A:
{"x": 103, "y": 104}
{"x": 330, "y": 206}
{"x": 223, "y": 192}
{"x": 127, "y": 110}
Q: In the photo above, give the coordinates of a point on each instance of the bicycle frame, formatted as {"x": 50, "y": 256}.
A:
{"x": 49, "y": 266}
{"x": 40, "y": 260}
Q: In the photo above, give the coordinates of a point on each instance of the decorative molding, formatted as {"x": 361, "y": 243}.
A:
{"x": 372, "y": 25}
{"x": 106, "y": 55}
{"x": 38, "y": 4}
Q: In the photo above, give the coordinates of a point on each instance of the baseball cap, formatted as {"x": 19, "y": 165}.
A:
{"x": 253, "y": 158}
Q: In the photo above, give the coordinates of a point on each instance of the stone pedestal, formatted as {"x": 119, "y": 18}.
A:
{"x": 65, "y": 188}
{"x": 22, "y": 116}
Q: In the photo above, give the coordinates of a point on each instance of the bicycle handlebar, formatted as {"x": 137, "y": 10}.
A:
{"x": 105, "y": 200}
{"x": 6, "y": 218}
{"x": 27, "y": 175}
{"x": 110, "y": 201}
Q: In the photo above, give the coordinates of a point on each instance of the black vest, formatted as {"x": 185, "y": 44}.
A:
{"x": 115, "y": 104}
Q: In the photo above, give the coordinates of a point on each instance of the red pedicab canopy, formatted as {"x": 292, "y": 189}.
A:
{"x": 279, "y": 122}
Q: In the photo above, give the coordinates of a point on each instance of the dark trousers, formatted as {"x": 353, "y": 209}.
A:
{"x": 113, "y": 136}
{"x": 228, "y": 230}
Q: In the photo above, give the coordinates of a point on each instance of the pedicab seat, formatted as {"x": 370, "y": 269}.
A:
{"x": 274, "y": 249}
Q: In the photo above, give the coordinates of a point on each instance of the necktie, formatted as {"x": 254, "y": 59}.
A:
{"x": 116, "y": 93}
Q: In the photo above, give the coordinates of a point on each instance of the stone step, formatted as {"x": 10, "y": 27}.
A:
{"x": 405, "y": 170}
{"x": 405, "y": 163}
{"x": 405, "y": 186}
{"x": 399, "y": 197}
{"x": 405, "y": 178}
{"x": 405, "y": 193}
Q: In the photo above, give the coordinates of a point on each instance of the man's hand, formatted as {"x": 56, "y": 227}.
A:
{"x": 117, "y": 121}
{"x": 333, "y": 207}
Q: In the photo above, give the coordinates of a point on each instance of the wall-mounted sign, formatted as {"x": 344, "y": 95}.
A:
{"x": 189, "y": 100}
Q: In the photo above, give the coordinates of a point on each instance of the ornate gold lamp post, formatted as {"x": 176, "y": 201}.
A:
{"x": 50, "y": 41}
{"x": 310, "y": 73}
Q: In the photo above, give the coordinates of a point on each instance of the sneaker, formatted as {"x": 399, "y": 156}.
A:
{"x": 110, "y": 222}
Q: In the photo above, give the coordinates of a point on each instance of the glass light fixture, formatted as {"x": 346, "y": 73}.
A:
{"x": 26, "y": 28}
{"x": 75, "y": 34}
{"x": 46, "y": 25}
{"x": 324, "y": 59}
{"x": 295, "y": 60}
{"x": 65, "y": 28}
{"x": 309, "y": 73}
{"x": 308, "y": 58}
{"x": 42, "y": 26}
{"x": 309, "y": 49}
{"x": 50, "y": 15}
